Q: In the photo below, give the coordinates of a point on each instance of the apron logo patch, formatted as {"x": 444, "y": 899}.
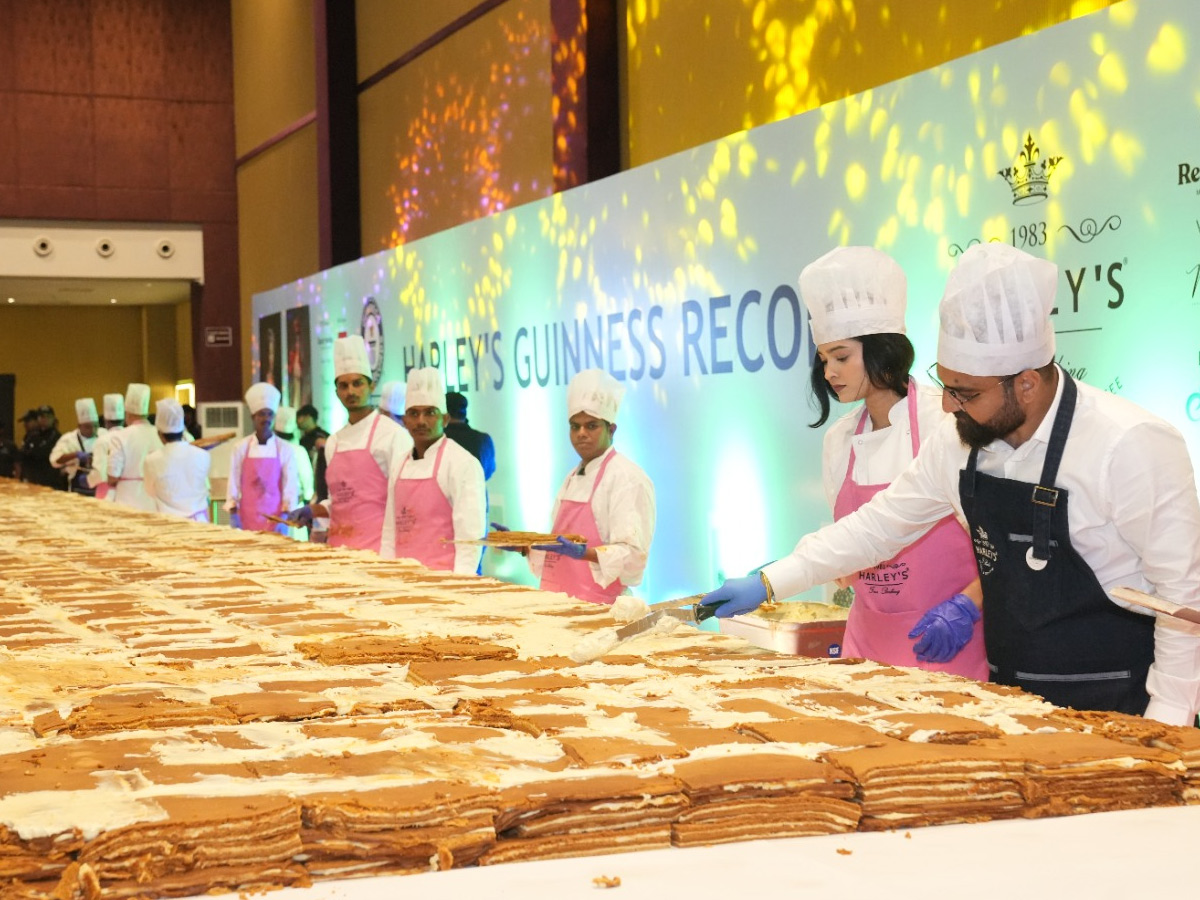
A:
{"x": 985, "y": 551}
{"x": 885, "y": 578}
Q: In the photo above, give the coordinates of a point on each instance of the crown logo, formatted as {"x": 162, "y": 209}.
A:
{"x": 1029, "y": 175}
{"x": 983, "y": 535}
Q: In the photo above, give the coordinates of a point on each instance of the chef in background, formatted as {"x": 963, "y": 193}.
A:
{"x": 114, "y": 421}
{"x": 176, "y": 475}
{"x": 607, "y": 499}
{"x": 263, "y": 479}
{"x": 856, "y": 297}
{"x": 285, "y": 430}
{"x": 129, "y": 448}
{"x": 358, "y": 457}
{"x": 436, "y": 492}
{"x": 72, "y": 454}
{"x": 391, "y": 401}
{"x": 1069, "y": 491}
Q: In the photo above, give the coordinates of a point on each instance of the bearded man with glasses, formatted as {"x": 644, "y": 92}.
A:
{"x": 1069, "y": 492}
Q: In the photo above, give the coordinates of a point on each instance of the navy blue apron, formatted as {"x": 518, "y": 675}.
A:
{"x": 1048, "y": 626}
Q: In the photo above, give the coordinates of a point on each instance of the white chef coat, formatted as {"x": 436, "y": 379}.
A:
{"x": 391, "y": 442}
{"x": 250, "y": 447}
{"x": 126, "y": 454}
{"x": 176, "y": 478}
{"x": 460, "y": 479}
{"x": 1133, "y": 516}
{"x": 879, "y": 456}
{"x": 73, "y": 442}
{"x": 624, "y": 509}
{"x": 99, "y": 473}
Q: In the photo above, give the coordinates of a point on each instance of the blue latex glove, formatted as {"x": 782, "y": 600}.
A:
{"x": 235, "y": 520}
{"x": 496, "y": 526}
{"x": 945, "y": 629}
{"x": 564, "y": 547}
{"x": 737, "y": 596}
{"x": 302, "y": 517}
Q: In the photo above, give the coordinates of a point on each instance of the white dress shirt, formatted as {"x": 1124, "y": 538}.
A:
{"x": 624, "y": 509}
{"x": 176, "y": 479}
{"x": 879, "y": 456}
{"x": 460, "y": 479}
{"x": 249, "y": 447}
{"x": 1133, "y": 516}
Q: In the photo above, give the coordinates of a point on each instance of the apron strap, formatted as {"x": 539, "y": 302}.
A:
{"x": 967, "y": 486}
{"x": 599, "y": 475}
{"x": 1045, "y": 495}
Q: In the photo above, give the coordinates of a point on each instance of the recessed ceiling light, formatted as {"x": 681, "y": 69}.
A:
{"x": 113, "y": 300}
{"x": 12, "y": 299}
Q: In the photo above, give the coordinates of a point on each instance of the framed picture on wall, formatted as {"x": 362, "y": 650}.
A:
{"x": 270, "y": 350}
{"x": 299, "y": 370}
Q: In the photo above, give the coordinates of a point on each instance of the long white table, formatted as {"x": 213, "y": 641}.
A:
{"x": 1116, "y": 855}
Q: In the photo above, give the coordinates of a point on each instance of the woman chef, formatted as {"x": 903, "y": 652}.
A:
{"x": 930, "y": 590}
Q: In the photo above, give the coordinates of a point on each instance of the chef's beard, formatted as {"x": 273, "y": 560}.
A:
{"x": 1007, "y": 419}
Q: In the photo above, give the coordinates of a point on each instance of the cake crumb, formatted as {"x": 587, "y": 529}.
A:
{"x": 607, "y": 881}
{"x": 908, "y": 835}
{"x": 843, "y": 851}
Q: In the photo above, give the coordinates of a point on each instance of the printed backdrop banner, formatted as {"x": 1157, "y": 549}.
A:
{"x": 1078, "y": 143}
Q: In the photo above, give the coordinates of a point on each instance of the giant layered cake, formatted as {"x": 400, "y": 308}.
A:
{"x": 185, "y": 709}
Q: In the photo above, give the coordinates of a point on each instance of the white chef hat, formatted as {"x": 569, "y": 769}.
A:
{"x": 137, "y": 399}
{"x": 85, "y": 411}
{"x": 285, "y": 419}
{"x": 426, "y": 388}
{"x": 995, "y": 313}
{"x": 852, "y": 291}
{"x": 114, "y": 407}
{"x": 168, "y": 416}
{"x": 260, "y": 396}
{"x": 391, "y": 397}
{"x": 350, "y": 356}
{"x": 595, "y": 392}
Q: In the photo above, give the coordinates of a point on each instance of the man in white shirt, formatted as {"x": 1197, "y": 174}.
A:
{"x": 1025, "y": 438}
{"x": 435, "y": 493}
{"x": 129, "y": 448}
{"x": 263, "y": 479}
{"x": 114, "y": 421}
{"x": 607, "y": 499}
{"x": 358, "y": 457}
{"x": 176, "y": 477}
{"x": 73, "y": 451}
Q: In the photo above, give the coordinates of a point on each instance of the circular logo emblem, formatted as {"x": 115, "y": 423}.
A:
{"x": 372, "y": 335}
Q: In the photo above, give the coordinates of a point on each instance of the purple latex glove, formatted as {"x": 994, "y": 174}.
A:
{"x": 563, "y": 546}
{"x": 301, "y": 517}
{"x": 945, "y": 629}
{"x": 737, "y": 596}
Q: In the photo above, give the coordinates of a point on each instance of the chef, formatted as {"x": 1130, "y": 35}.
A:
{"x": 263, "y": 478}
{"x": 607, "y": 499}
{"x": 72, "y": 454}
{"x": 114, "y": 421}
{"x": 391, "y": 401}
{"x": 1068, "y": 492}
{"x": 436, "y": 491}
{"x": 856, "y": 297}
{"x": 358, "y": 457}
{"x": 129, "y": 448}
{"x": 176, "y": 476}
{"x": 285, "y": 430}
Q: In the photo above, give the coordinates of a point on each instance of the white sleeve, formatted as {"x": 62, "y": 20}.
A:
{"x": 99, "y": 473}
{"x": 116, "y": 457}
{"x": 1156, "y": 511}
{"x": 66, "y": 443}
{"x": 398, "y": 450}
{"x": 291, "y": 475}
{"x": 233, "y": 487}
{"x": 629, "y": 515}
{"x": 463, "y": 484}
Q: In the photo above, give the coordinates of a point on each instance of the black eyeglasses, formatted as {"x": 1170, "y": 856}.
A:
{"x": 958, "y": 396}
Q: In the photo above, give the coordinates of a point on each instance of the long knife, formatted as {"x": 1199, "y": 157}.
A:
{"x": 685, "y": 609}
{"x": 1158, "y": 604}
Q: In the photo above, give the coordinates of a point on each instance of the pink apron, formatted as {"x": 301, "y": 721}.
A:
{"x": 574, "y": 576}
{"x": 359, "y": 494}
{"x": 424, "y": 518}
{"x": 889, "y": 598}
{"x": 262, "y": 491}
